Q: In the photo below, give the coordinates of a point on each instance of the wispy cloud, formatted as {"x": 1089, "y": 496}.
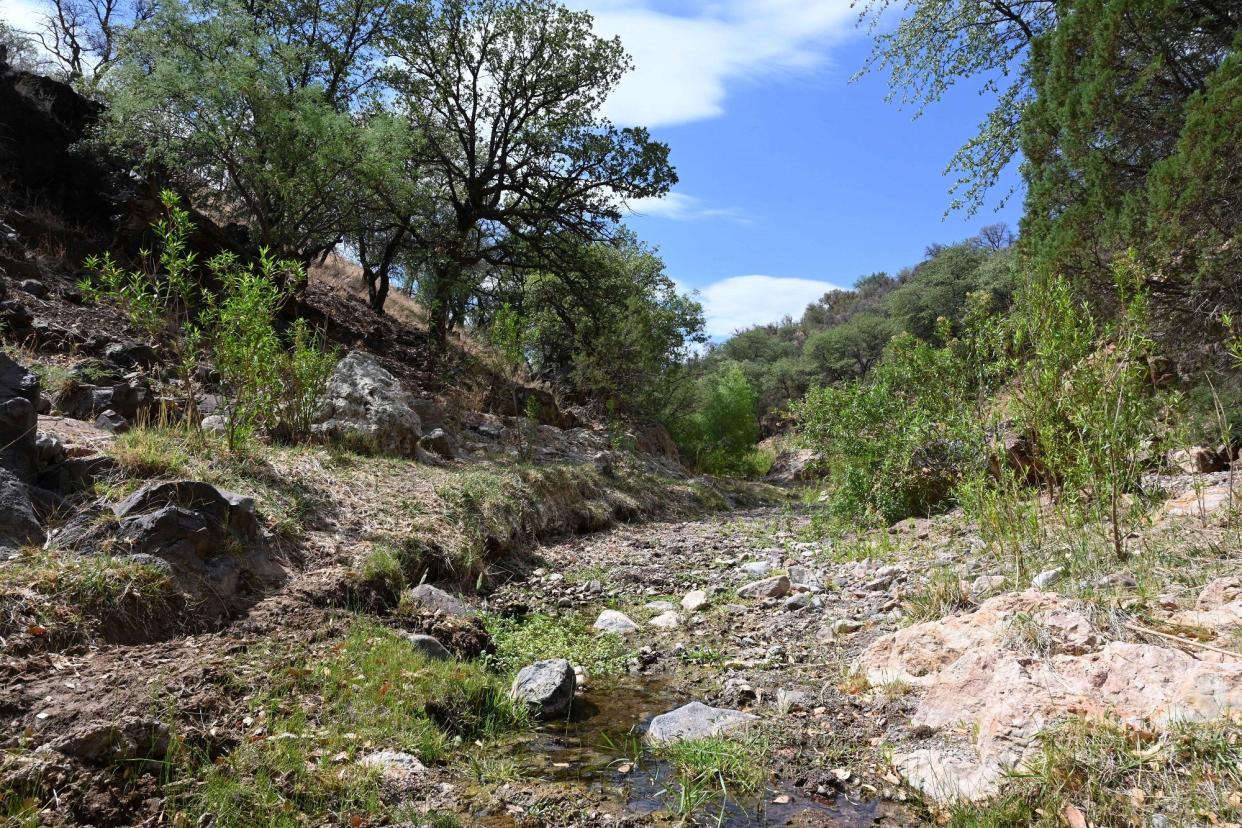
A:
{"x": 744, "y": 301}
{"x": 687, "y": 53}
{"x": 682, "y": 207}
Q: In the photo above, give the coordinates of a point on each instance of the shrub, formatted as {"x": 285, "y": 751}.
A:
{"x": 721, "y": 434}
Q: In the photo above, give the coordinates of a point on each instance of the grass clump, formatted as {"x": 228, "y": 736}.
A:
{"x": 158, "y": 452}
{"x": 943, "y": 594}
{"x": 713, "y": 770}
{"x": 519, "y": 642}
{"x": 369, "y": 691}
{"x": 1114, "y": 775}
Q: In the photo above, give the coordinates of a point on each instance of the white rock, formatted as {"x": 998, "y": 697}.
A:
{"x": 615, "y": 622}
{"x": 767, "y": 588}
{"x": 666, "y": 621}
{"x": 1047, "y": 578}
{"x": 364, "y": 403}
{"x": 694, "y": 600}
{"x": 696, "y": 721}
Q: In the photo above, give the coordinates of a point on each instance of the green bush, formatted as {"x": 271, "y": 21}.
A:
{"x": 720, "y": 436}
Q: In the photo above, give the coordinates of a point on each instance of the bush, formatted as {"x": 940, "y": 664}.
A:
{"x": 274, "y": 384}
{"x": 720, "y": 436}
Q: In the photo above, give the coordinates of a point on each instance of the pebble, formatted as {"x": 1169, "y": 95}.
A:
{"x": 1047, "y": 578}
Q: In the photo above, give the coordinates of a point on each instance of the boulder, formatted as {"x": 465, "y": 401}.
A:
{"x": 366, "y": 406}
{"x": 767, "y": 588}
{"x": 546, "y": 688}
{"x": 433, "y": 598}
{"x": 19, "y": 525}
{"x": 211, "y": 540}
{"x": 696, "y": 721}
{"x": 111, "y": 422}
{"x": 438, "y": 441}
{"x": 19, "y": 397}
{"x": 1200, "y": 459}
{"x": 86, "y": 402}
{"x": 400, "y": 773}
{"x": 429, "y": 646}
{"x": 1022, "y": 661}
{"x": 797, "y": 466}
{"x": 666, "y": 621}
{"x": 612, "y": 621}
{"x": 214, "y": 424}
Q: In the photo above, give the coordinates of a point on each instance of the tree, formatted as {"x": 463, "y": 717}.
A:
{"x": 851, "y": 348}
{"x": 994, "y": 237}
{"x": 82, "y": 36}
{"x": 940, "y": 43}
{"x": 1131, "y": 96}
{"x": 506, "y": 96}
{"x": 253, "y": 106}
{"x": 724, "y": 428}
{"x": 18, "y": 49}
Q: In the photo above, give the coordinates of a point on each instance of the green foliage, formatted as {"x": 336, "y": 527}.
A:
{"x": 721, "y": 434}
{"x": 521, "y": 641}
{"x": 273, "y": 385}
{"x": 371, "y": 689}
{"x": 893, "y": 441}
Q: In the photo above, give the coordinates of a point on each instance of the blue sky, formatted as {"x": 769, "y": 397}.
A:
{"x": 793, "y": 179}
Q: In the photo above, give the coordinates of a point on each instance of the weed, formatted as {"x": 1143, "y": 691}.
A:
{"x": 943, "y": 594}
{"x": 519, "y": 642}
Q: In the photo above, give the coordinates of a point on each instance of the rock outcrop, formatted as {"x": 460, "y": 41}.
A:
{"x": 1019, "y": 663}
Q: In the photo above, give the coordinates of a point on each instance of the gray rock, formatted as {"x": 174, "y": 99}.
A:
{"x": 799, "y": 600}
{"x": 18, "y": 524}
{"x": 439, "y": 442}
{"x": 546, "y": 688}
{"x": 111, "y": 422}
{"x": 434, "y": 598}
{"x": 696, "y": 721}
{"x": 845, "y": 626}
{"x": 694, "y": 600}
{"x": 987, "y": 584}
{"x": 429, "y": 646}
{"x": 767, "y": 588}
{"x": 660, "y": 606}
{"x": 34, "y": 287}
{"x": 214, "y": 424}
{"x": 400, "y": 772}
{"x": 48, "y": 448}
{"x": 1047, "y": 578}
{"x": 613, "y": 621}
{"x": 365, "y": 405}
{"x": 787, "y": 701}
{"x": 19, "y": 395}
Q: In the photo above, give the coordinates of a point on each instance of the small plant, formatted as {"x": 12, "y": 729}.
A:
{"x": 943, "y": 594}
{"x": 539, "y": 636}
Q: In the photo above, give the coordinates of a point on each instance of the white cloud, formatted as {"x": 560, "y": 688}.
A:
{"x": 744, "y": 301}
{"x": 681, "y": 207}
{"x": 686, "y": 60}
{"x": 22, "y": 14}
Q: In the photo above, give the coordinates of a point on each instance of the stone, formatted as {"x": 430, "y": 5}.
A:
{"x": 1200, "y": 502}
{"x": 756, "y": 569}
{"x": 986, "y": 585}
{"x": 81, "y": 401}
{"x": 366, "y": 406}
{"x": 694, "y": 600}
{"x": 666, "y": 621}
{"x": 1199, "y": 460}
{"x": 845, "y": 626}
{"x": 400, "y": 773}
{"x": 214, "y": 424}
{"x": 429, "y": 646}
{"x": 34, "y": 287}
{"x": 613, "y": 621}
{"x": 660, "y": 606}
{"x": 19, "y": 526}
{"x": 1218, "y": 608}
{"x": 111, "y": 422}
{"x": 1047, "y": 578}
{"x": 767, "y": 588}
{"x": 796, "y": 466}
{"x": 799, "y": 600}
{"x": 435, "y": 599}
{"x": 212, "y": 540}
{"x": 696, "y": 721}
{"x": 129, "y": 739}
{"x": 48, "y": 448}
{"x": 19, "y": 397}
{"x": 789, "y": 701}
{"x": 438, "y": 441}
{"x": 545, "y": 687}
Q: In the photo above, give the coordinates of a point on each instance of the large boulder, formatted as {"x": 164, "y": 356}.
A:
{"x": 211, "y": 541}
{"x": 795, "y": 466}
{"x": 19, "y": 525}
{"x": 546, "y": 688}
{"x": 1021, "y": 662}
{"x": 86, "y": 402}
{"x": 365, "y": 406}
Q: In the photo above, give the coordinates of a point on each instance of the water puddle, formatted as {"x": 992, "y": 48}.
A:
{"x": 601, "y": 748}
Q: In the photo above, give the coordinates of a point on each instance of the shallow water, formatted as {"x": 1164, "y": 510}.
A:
{"x": 600, "y": 747}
